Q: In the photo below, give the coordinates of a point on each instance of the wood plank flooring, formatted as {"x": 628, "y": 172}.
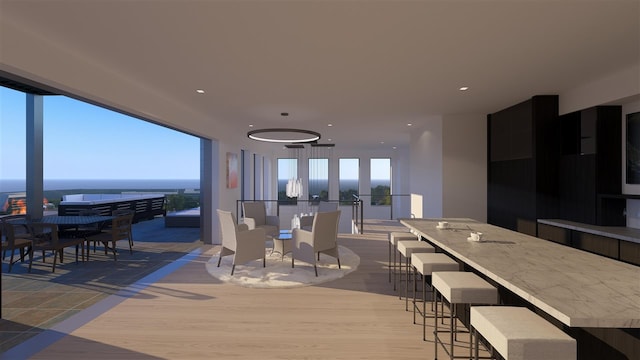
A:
{"x": 190, "y": 315}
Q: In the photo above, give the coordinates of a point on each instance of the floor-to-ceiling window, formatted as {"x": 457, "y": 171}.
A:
{"x": 12, "y": 151}
{"x": 349, "y": 179}
{"x": 287, "y": 174}
{"x": 318, "y": 180}
{"x": 381, "y": 181}
{"x": 87, "y": 148}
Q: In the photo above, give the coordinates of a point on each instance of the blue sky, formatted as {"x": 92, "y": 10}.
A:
{"x": 83, "y": 141}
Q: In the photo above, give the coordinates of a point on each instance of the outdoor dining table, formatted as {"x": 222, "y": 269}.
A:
{"x": 74, "y": 220}
{"x": 66, "y": 222}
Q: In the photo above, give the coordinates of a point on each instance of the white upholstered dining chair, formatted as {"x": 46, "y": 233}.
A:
{"x": 306, "y": 222}
{"x": 241, "y": 242}
{"x": 255, "y": 216}
{"x": 323, "y": 238}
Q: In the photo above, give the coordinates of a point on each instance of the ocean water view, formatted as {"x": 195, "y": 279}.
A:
{"x": 17, "y": 185}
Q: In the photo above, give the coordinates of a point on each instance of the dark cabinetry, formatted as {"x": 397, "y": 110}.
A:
{"x": 524, "y": 147}
{"x": 590, "y": 164}
{"x": 601, "y": 244}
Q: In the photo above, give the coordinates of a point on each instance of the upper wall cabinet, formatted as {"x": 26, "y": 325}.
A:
{"x": 523, "y": 151}
{"x": 591, "y": 166}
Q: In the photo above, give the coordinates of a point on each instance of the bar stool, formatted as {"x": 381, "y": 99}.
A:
{"x": 459, "y": 288}
{"x": 394, "y": 237}
{"x": 406, "y": 248}
{"x": 518, "y": 333}
{"x": 425, "y": 264}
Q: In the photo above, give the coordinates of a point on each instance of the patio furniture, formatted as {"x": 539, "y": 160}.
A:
{"x": 120, "y": 230}
{"x": 144, "y": 206}
{"x": 255, "y": 216}
{"x": 88, "y": 229}
{"x": 47, "y": 237}
{"x": 238, "y": 240}
{"x": 323, "y": 238}
{"x": 15, "y": 237}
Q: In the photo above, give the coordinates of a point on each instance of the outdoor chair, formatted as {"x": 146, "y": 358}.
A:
{"x": 15, "y": 237}
{"x": 120, "y": 230}
{"x": 306, "y": 222}
{"x": 120, "y": 212}
{"x": 90, "y": 229}
{"x": 255, "y": 216}
{"x": 323, "y": 238}
{"x": 47, "y": 237}
{"x": 238, "y": 240}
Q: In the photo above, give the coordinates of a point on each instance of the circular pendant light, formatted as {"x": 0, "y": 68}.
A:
{"x": 284, "y": 135}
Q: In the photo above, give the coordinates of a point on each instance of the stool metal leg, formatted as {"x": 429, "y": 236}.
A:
{"x": 389, "y": 262}
{"x": 435, "y": 330}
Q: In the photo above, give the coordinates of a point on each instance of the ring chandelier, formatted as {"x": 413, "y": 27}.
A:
{"x": 284, "y": 135}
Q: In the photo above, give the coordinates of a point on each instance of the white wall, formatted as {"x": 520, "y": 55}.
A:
{"x": 464, "y": 167}
{"x": 228, "y": 197}
{"x": 425, "y": 167}
{"x": 610, "y": 89}
{"x": 448, "y": 167}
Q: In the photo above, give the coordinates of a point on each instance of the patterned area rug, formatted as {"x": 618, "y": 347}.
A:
{"x": 278, "y": 272}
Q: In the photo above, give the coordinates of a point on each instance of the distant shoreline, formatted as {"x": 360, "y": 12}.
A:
{"x": 11, "y": 186}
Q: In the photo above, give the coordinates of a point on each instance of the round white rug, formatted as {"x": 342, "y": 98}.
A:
{"x": 278, "y": 272}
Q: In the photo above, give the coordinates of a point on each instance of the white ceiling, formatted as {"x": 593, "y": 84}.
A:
{"x": 367, "y": 67}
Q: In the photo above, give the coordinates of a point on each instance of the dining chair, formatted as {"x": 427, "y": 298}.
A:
{"x": 15, "y": 237}
{"x": 120, "y": 230}
{"x": 90, "y": 229}
{"x": 238, "y": 240}
{"x": 119, "y": 212}
{"x": 255, "y": 216}
{"x": 306, "y": 222}
{"x": 323, "y": 238}
{"x": 48, "y": 237}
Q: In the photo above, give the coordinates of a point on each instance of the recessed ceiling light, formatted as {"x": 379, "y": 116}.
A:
{"x": 381, "y": 142}
{"x": 464, "y": 88}
{"x": 200, "y": 91}
{"x": 328, "y": 139}
{"x": 395, "y": 147}
{"x": 329, "y": 124}
{"x": 250, "y": 125}
{"x": 409, "y": 124}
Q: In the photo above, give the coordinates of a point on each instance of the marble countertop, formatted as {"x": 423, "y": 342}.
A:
{"x": 578, "y": 288}
{"x": 616, "y": 232}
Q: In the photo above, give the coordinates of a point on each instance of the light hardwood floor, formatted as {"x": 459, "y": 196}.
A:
{"x": 190, "y": 315}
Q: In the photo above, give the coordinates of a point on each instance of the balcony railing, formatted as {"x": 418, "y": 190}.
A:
{"x": 362, "y": 207}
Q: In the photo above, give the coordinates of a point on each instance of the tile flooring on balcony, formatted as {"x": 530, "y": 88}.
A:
{"x": 33, "y": 302}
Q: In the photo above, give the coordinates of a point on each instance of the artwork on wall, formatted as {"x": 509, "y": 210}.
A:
{"x": 232, "y": 170}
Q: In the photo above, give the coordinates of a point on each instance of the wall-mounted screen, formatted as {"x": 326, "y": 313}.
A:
{"x": 633, "y": 148}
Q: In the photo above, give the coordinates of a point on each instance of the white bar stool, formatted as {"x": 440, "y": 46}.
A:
{"x": 406, "y": 248}
{"x": 394, "y": 237}
{"x": 517, "y": 333}
{"x": 459, "y": 288}
{"x": 426, "y": 264}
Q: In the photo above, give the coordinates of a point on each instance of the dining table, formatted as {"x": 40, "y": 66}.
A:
{"x": 594, "y": 298}
{"x": 78, "y": 220}
{"x": 70, "y": 225}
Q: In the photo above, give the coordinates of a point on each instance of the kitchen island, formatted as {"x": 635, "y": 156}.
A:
{"x": 593, "y": 298}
